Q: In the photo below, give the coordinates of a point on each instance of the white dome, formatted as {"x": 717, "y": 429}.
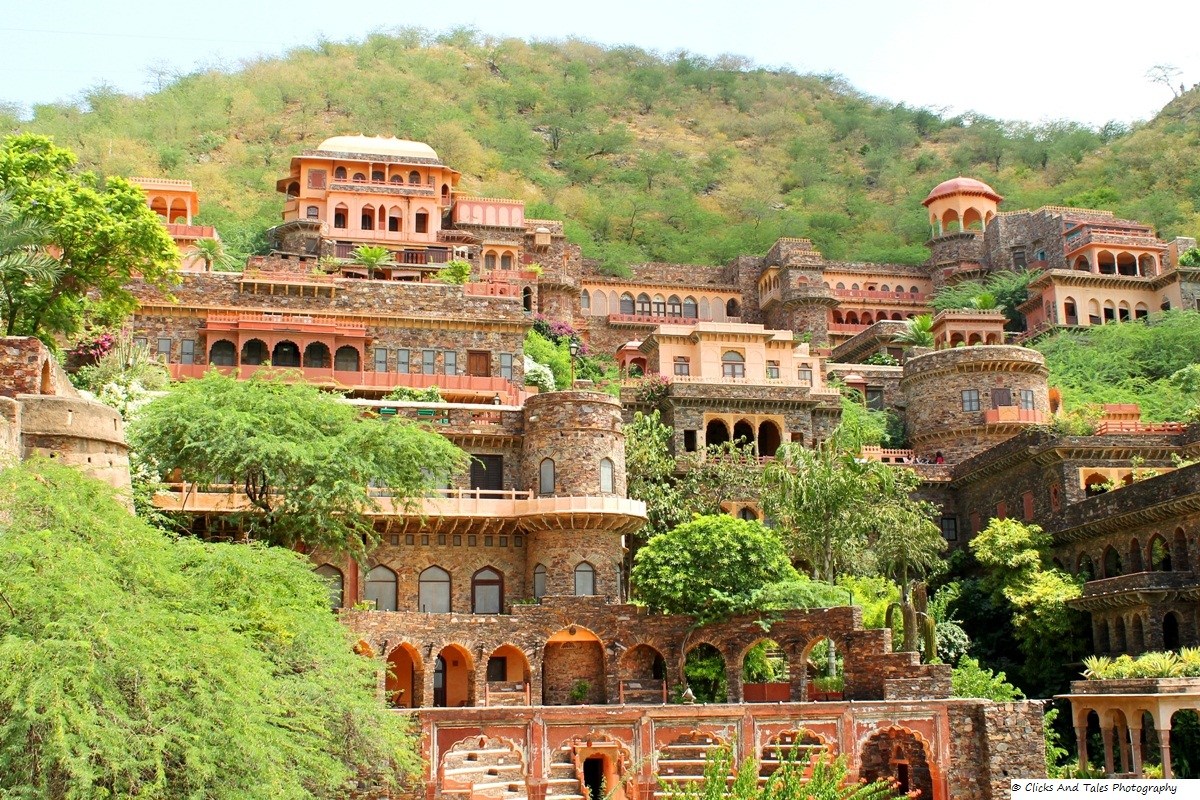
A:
{"x": 379, "y": 146}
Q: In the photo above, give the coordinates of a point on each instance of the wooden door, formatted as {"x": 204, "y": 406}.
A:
{"x": 479, "y": 363}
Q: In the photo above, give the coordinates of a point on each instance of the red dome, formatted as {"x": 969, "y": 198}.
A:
{"x": 961, "y": 185}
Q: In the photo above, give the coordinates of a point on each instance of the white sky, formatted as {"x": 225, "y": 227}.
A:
{"x": 1011, "y": 59}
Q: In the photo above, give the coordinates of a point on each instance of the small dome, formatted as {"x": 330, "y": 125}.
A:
{"x": 961, "y": 185}
{"x": 378, "y": 146}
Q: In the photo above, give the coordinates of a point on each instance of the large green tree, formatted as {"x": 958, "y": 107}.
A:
{"x": 101, "y": 229}
{"x": 137, "y": 664}
{"x": 304, "y": 461}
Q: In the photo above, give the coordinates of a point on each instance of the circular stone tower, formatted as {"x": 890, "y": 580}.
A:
{"x": 573, "y": 461}
{"x": 963, "y": 400}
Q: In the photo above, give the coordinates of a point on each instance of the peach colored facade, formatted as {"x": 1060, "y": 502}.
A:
{"x": 177, "y": 203}
{"x": 714, "y": 352}
{"x": 369, "y": 190}
{"x": 961, "y": 204}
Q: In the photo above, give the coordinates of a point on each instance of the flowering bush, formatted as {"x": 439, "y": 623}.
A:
{"x": 93, "y": 350}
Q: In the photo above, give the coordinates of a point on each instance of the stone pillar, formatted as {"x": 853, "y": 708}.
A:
{"x": 1164, "y": 743}
{"x": 1135, "y": 740}
{"x": 1106, "y": 734}
{"x": 1123, "y": 748}
{"x": 1081, "y": 744}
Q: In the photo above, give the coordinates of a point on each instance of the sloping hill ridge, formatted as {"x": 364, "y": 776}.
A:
{"x": 649, "y": 158}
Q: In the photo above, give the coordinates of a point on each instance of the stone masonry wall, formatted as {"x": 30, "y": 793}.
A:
{"x": 577, "y": 430}
{"x": 10, "y": 431}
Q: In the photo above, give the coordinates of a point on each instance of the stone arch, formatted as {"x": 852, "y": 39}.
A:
{"x": 404, "y": 684}
{"x": 716, "y": 432}
{"x": 689, "y": 307}
{"x": 765, "y": 673}
{"x": 527, "y": 299}
{"x": 704, "y": 311}
{"x": 628, "y": 305}
{"x": 46, "y": 379}
{"x": 837, "y": 317}
{"x": 453, "y": 678}
{"x": 975, "y": 338}
{"x": 316, "y": 356}
{"x": 572, "y": 657}
{"x": 1094, "y": 482}
{"x": 743, "y": 432}
{"x": 866, "y": 318}
{"x": 337, "y": 584}
{"x": 897, "y": 316}
{"x": 709, "y": 686}
{"x": 366, "y": 218}
{"x": 1101, "y": 637}
{"x": 381, "y": 588}
{"x": 643, "y": 675}
{"x": 1112, "y": 562}
{"x": 222, "y": 353}
{"x": 991, "y": 338}
{"x": 1181, "y": 559}
{"x": 1170, "y": 631}
{"x": 1106, "y": 263}
{"x": 642, "y": 303}
{"x": 957, "y": 339}
{"x": 159, "y": 206}
{"x": 286, "y": 353}
{"x": 815, "y": 669}
{"x": 507, "y": 675}
{"x": 733, "y": 308}
{"x": 600, "y": 305}
{"x": 1084, "y": 566}
{"x": 347, "y": 359}
{"x": 1158, "y": 554}
{"x": 1126, "y": 264}
{"x": 950, "y": 222}
{"x": 255, "y": 352}
{"x": 769, "y": 438}
{"x": 972, "y": 220}
{"x": 902, "y": 755}
{"x": 1082, "y": 263}
{"x": 851, "y": 317}
{"x": 1147, "y": 265}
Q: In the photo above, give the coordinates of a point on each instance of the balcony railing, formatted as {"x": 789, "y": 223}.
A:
{"x": 994, "y": 416}
{"x": 266, "y": 321}
{"x": 843, "y": 327}
{"x": 1137, "y": 426}
{"x": 191, "y": 231}
{"x": 1138, "y": 581}
{"x": 492, "y": 290}
{"x": 399, "y": 257}
{"x": 482, "y": 387}
{"x": 874, "y": 294}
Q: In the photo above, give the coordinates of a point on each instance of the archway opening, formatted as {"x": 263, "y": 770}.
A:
{"x": 316, "y": 356}
{"x": 46, "y": 384}
{"x": 898, "y": 754}
{"x": 507, "y": 677}
{"x": 403, "y": 683}
{"x": 1170, "y": 631}
{"x": 705, "y": 671}
{"x": 1112, "y": 562}
{"x": 643, "y": 675}
{"x": 1160, "y": 555}
{"x": 254, "y": 352}
{"x": 285, "y": 354}
{"x": 824, "y": 667}
{"x": 743, "y": 433}
{"x": 453, "y": 678}
{"x": 765, "y": 676}
{"x": 573, "y": 668}
{"x": 346, "y": 359}
{"x": 716, "y": 432}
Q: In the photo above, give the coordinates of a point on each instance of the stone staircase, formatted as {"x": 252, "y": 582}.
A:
{"x": 793, "y": 745}
{"x": 683, "y": 760}
{"x": 564, "y": 783}
{"x": 482, "y": 768}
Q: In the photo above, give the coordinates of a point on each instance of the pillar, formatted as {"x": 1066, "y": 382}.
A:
{"x": 1081, "y": 744}
{"x": 1123, "y": 743}
{"x": 1135, "y": 740}
{"x": 1164, "y": 743}
{"x": 1106, "y": 733}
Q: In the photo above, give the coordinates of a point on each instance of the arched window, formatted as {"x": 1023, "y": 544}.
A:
{"x": 414, "y": 177}
{"x": 606, "y": 475}
{"x": 527, "y": 298}
{"x": 346, "y": 359}
{"x": 381, "y": 588}
{"x": 689, "y": 307}
{"x": 333, "y": 576}
{"x": 506, "y": 261}
{"x": 1112, "y": 563}
{"x": 627, "y": 306}
{"x": 733, "y": 308}
{"x": 367, "y": 220}
{"x": 312, "y": 212}
{"x": 285, "y": 354}
{"x": 339, "y": 174}
{"x": 539, "y": 581}
{"x": 222, "y": 354}
{"x": 340, "y": 214}
{"x": 377, "y": 175}
{"x": 546, "y": 476}
{"x": 421, "y": 222}
{"x": 433, "y": 594}
{"x": 316, "y": 355}
{"x": 643, "y": 303}
{"x": 674, "y": 307}
{"x": 659, "y": 306}
{"x": 585, "y": 300}
{"x": 397, "y": 179}
{"x": 747, "y": 513}
{"x": 733, "y": 365}
{"x": 585, "y": 580}
{"x": 359, "y": 178}
{"x": 487, "y": 592}
{"x": 489, "y": 260}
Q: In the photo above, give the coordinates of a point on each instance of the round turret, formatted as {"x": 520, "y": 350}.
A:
{"x": 574, "y": 461}
{"x": 963, "y": 400}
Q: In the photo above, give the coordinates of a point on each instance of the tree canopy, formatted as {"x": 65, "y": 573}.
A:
{"x": 136, "y": 664}
{"x": 707, "y": 566}
{"x": 102, "y": 230}
{"x": 306, "y": 463}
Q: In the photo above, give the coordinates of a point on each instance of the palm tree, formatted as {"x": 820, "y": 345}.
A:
{"x": 919, "y": 332}
{"x": 24, "y": 261}
{"x": 215, "y": 256}
{"x": 372, "y": 256}
{"x": 985, "y": 301}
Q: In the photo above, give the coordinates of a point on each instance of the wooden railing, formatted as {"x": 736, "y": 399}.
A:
{"x": 1105, "y": 427}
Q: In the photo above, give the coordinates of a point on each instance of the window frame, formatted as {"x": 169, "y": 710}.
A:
{"x": 590, "y": 573}
{"x": 970, "y": 400}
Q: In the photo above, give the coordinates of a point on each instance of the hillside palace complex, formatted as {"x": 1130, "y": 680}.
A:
{"x": 500, "y": 615}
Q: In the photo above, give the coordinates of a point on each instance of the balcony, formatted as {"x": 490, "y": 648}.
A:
{"x": 453, "y": 419}
{"x": 469, "y": 387}
{"x": 846, "y": 329}
{"x": 663, "y": 319}
{"x": 450, "y": 509}
{"x": 261, "y": 321}
{"x": 1115, "y": 427}
{"x": 1011, "y": 414}
{"x": 382, "y": 187}
{"x": 178, "y": 231}
{"x": 345, "y": 250}
{"x": 491, "y": 289}
{"x": 1112, "y": 237}
{"x": 873, "y": 294}
{"x": 1137, "y": 588}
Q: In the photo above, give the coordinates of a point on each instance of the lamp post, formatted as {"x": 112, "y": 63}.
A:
{"x": 573, "y": 348}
